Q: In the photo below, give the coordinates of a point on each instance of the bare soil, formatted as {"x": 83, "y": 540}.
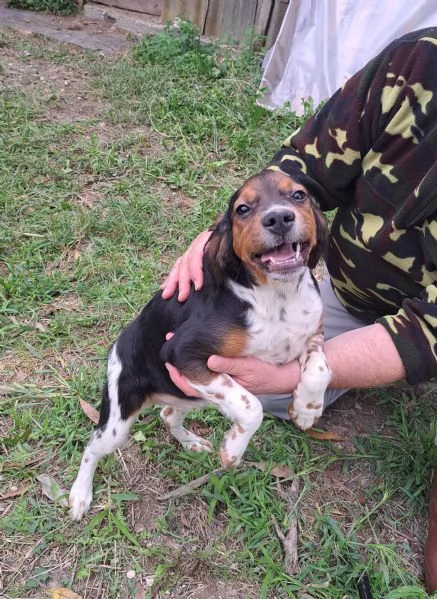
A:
{"x": 76, "y": 100}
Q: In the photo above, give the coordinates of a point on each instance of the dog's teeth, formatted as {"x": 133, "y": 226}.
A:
{"x": 298, "y": 246}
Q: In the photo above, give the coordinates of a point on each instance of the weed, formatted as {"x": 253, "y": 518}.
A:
{"x": 95, "y": 208}
{"x": 61, "y": 7}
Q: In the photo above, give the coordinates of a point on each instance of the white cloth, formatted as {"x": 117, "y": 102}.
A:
{"x": 322, "y": 43}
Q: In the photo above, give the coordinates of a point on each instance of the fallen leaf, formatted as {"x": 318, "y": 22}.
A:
{"x": 91, "y": 412}
{"x": 60, "y": 593}
{"x": 282, "y": 471}
{"x": 184, "y": 520}
{"x": 52, "y": 490}
{"x": 15, "y": 492}
{"x": 140, "y": 592}
{"x": 324, "y": 435}
{"x": 278, "y": 470}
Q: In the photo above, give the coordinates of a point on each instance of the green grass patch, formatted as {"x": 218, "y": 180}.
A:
{"x": 96, "y": 205}
{"x": 60, "y": 7}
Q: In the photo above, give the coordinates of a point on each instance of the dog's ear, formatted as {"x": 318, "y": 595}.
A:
{"x": 218, "y": 250}
{"x": 320, "y": 250}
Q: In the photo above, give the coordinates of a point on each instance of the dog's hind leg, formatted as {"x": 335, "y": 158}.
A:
{"x": 173, "y": 418}
{"x": 110, "y": 434}
{"x": 242, "y": 407}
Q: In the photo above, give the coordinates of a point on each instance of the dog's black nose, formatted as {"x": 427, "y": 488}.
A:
{"x": 278, "y": 221}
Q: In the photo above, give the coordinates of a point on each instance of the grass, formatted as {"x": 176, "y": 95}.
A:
{"x": 60, "y": 7}
{"x": 103, "y": 182}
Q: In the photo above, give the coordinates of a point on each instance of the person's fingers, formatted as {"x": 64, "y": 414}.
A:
{"x": 180, "y": 381}
{"x": 171, "y": 282}
{"x": 196, "y": 258}
{"x": 184, "y": 278}
{"x": 187, "y": 269}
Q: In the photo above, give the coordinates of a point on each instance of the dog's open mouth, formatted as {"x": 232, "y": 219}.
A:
{"x": 286, "y": 256}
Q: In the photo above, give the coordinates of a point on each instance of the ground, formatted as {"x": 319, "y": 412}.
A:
{"x": 362, "y": 496}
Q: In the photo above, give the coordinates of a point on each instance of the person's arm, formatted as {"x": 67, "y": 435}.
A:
{"x": 365, "y": 357}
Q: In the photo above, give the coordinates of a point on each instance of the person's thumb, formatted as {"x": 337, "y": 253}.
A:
{"x": 224, "y": 365}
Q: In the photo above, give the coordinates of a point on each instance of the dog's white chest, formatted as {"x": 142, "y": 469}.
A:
{"x": 282, "y": 318}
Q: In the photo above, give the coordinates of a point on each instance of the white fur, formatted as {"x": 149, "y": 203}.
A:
{"x": 282, "y": 318}
{"x": 284, "y": 325}
{"x": 240, "y": 406}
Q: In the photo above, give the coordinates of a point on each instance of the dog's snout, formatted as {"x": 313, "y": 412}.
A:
{"x": 278, "y": 221}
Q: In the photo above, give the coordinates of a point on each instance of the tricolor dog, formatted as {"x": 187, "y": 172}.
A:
{"x": 259, "y": 298}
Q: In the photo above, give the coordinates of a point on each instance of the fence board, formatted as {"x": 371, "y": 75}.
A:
{"x": 262, "y": 16}
{"x": 230, "y": 19}
{"x": 149, "y": 7}
{"x": 276, "y": 18}
{"x": 192, "y": 10}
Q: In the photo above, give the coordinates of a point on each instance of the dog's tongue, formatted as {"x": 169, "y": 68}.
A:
{"x": 283, "y": 253}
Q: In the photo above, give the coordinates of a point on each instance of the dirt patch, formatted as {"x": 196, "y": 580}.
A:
{"x": 88, "y": 33}
{"x": 65, "y": 89}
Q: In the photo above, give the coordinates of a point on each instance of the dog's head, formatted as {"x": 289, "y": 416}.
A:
{"x": 272, "y": 227}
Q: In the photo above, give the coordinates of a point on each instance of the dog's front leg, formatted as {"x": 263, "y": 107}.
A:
{"x": 243, "y": 408}
{"x": 307, "y": 406}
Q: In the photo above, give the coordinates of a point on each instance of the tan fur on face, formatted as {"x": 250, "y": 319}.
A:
{"x": 259, "y": 193}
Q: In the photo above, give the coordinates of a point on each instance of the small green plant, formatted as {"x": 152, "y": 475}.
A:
{"x": 60, "y": 7}
{"x": 96, "y": 206}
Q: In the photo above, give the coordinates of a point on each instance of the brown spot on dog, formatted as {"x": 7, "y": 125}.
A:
{"x": 195, "y": 447}
{"x": 219, "y": 395}
{"x": 168, "y": 411}
{"x": 245, "y": 400}
{"x": 322, "y": 369}
{"x": 86, "y": 460}
{"x": 305, "y": 312}
{"x": 313, "y": 406}
{"x": 227, "y": 460}
{"x": 227, "y": 381}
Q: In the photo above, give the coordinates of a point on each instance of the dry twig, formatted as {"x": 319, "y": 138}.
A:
{"x": 289, "y": 539}
{"x": 191, "y": 486}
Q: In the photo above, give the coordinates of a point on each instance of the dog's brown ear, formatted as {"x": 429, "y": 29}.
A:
{"x": 218, "y": 250}
{"x": 320, "y": 250}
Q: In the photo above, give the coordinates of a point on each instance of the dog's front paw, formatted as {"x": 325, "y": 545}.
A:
{"x": 305, "y": 416}
{"x": 80, "y": 500}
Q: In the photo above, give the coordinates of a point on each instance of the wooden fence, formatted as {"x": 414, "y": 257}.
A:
{"x": 224, "y": 19}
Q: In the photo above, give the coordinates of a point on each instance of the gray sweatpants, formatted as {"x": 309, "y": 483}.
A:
{"x": 336, "y": 320}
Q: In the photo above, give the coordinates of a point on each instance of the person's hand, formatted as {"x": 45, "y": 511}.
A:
{"x": 257, "y": 376}
{"x": 180, "y": 381}
{"x": 187, "y": 269}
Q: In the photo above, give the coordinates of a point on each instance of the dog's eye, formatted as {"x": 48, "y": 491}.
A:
{"x": 298, "y": 195}
{"x": 242, "y": 209}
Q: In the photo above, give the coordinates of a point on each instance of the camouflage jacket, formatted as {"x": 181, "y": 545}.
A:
{"x": 371, "y": 153}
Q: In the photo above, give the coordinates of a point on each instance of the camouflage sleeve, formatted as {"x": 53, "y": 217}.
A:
{"x": 371, "y": 154}
{"x": 326, "y": 152}
{"x": 413, "y": 330}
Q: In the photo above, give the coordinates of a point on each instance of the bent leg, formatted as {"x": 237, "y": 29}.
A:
{"x": 336, "y": 320}
{"x": 243, "y": 408}
{"x": 173, "y": 419}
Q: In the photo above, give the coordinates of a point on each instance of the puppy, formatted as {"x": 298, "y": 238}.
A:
{"x": 259, "y": 298}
